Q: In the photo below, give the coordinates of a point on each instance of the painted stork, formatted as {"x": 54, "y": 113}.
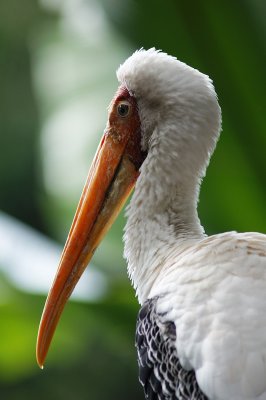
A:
{"x": 201, "y": 329}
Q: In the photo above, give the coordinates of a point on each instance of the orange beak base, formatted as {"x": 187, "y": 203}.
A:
{"x": 111, "y": 179}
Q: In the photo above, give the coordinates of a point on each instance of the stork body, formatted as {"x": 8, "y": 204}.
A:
{"x": 212, "y": 294}
{"x": 201, "y": 330}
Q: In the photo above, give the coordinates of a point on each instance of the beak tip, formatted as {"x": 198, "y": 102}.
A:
{"x": 40, "y": 358}
{"x": 40, "y": 362}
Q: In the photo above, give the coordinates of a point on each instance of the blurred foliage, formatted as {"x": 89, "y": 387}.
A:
{"x": 93, "y": 354}
{"x": 18, "y": 113}
{"x": 93, "y": 351}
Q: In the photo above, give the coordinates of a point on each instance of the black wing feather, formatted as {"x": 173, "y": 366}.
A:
{"x": 160, "y": 372}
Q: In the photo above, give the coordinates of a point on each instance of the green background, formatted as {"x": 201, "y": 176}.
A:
{"x": 58, "y": 59}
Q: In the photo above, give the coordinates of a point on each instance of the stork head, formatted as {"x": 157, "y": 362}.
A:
{"x": 178, "y": 108}
{"x": 160, "y": 102}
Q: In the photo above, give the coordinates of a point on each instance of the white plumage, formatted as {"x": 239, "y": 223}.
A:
{"x": 212, "y": 288}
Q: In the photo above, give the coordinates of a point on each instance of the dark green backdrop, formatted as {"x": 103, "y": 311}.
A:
{"x": 93, "y": 356}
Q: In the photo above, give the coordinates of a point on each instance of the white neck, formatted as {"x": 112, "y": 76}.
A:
{"x": 162, "y": 215}
{"x": 180, "y": 124}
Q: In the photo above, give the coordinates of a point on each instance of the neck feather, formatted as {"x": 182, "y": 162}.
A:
{"x": 161, "y": 218}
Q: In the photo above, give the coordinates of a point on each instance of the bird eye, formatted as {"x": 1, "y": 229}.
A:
{"x": 123, "y": 109}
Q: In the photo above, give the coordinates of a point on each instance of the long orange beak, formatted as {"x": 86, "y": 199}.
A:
{"x": 111, "y": 178}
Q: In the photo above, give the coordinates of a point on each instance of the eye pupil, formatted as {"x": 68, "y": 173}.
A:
{"x": 123, "y": 109}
